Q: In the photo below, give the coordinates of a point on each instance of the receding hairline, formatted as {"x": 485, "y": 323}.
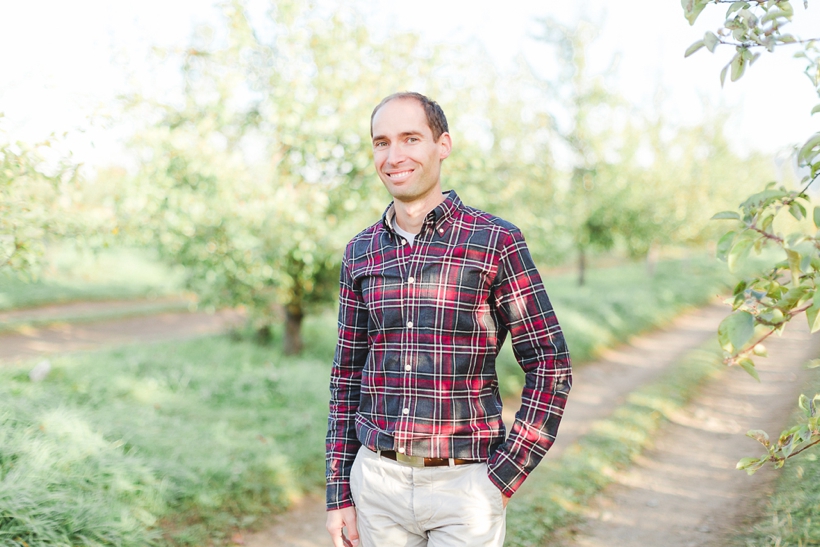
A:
{"x": 433, "y": 113}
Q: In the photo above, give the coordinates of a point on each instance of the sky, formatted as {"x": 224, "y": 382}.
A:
{"x": 64, "y": 63}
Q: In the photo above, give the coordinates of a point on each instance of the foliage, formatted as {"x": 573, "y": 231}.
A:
{"x": 764, "y": 304}
{"x": 185, "y": 441}
{"x": 595, "y": 210}
{"x": 636, "y": 182}
{"x": 258, "y": 179}
{"x": 555, "y": 494}
{"x": 35, "y": 195}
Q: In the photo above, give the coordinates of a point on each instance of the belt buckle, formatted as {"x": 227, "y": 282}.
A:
{"x": 412, "y": 461}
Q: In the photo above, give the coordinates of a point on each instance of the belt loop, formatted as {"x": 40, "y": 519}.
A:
{"x": 451, "y": 461}
{"x": 379, "y": 453}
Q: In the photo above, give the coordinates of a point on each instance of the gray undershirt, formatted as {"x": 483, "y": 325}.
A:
{"x": 406, "y": 235}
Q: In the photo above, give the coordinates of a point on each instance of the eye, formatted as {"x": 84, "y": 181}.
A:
{"x": 412, "y": 139}
{"x": 379, "y": 144}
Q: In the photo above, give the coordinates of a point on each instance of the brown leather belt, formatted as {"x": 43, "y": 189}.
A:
{"x": 418, "y": 461}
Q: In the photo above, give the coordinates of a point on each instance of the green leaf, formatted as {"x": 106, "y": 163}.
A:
{"x": 814, "y": 363}
{"x": 750, "y": 465}
{"x": 740, "y": 250}
{"x": 764, "y": 197}
{"x": 749, "y": 367}
{"x": 807, "y": 149}
{"x": 726, "y": 215}
{"x": 710, "y": 40}
{"x": 738, "y": 67}
{"x": 723, "y": 75}
{"x": 692, "y": 8}
{"x": 759, "y": 435}
{"x": 817, "y": 217}
{"x": 813, "y": 313}
{"x": 815, "y": 110}
{"x": 803, "y": 403}
{"x": 693, "y": 48}
{"x": 736, "y": 330}
{"x": 735, "y": 7}
{"x": 794, "y": 265}
{"x": 724, "y": 244}
{"x": 796, "y": 211}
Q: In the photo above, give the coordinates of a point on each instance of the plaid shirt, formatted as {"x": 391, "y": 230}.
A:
{"x": 419, "y": 330}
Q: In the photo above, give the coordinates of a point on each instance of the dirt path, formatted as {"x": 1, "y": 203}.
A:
{"x": 686, "y": 491}
{"x": 598, "y": 388}
{"x": 28, "y": 342}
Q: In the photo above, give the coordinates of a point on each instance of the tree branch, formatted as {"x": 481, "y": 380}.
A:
{"x": 748, "y": 45}
{"x": 766, "y": 234}
{"x": 750, "y": 349}
{"x": 774, "y": 458}
{"x": 814, "y": 178}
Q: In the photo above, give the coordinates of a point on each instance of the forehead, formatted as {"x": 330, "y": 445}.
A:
{"x": 401, "y": 116}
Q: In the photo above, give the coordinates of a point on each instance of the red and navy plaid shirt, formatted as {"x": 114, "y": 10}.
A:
{"x": 419, "y": 330}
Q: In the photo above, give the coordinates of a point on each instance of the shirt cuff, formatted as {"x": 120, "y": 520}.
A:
{"x": 505, "y": 473}
{"x": 339, "y": 496}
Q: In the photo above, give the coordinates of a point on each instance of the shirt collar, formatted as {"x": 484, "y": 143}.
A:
{"x": 437, "y": 217}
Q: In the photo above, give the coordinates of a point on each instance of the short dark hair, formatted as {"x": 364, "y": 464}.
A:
{"x": 435, "y": 115}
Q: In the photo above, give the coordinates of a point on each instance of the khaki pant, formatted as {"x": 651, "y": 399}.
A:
{"x": 402, "y": 506}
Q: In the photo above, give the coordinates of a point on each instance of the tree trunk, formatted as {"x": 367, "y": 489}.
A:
{"x": 293, "y": 329}
{"x": 582, "y": 266}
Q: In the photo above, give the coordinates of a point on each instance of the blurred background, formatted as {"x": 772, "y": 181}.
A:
{"x": 215, "y": 156}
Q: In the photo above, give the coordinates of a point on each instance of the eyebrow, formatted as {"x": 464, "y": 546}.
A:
{"x": 402, "y": 134}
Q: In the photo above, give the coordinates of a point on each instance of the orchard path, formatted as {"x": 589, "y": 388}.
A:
{"x": 128, "y": 322}
{"x": 685, "y": 491}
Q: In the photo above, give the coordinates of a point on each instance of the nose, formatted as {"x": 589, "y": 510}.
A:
{"x": 395, "y": 155}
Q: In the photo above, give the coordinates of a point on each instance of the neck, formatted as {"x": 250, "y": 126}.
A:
{"x": 410, "y": 214}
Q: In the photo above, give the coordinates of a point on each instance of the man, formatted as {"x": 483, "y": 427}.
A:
{"x": 416, "y": 449}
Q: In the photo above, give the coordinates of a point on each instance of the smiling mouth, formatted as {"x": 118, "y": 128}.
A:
{"x": 399, "y": 175}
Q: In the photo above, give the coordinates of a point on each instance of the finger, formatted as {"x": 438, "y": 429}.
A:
{"x": 338, "y": 539}
{"x": 335, "y": 530}
{"x": 353, "y": 529}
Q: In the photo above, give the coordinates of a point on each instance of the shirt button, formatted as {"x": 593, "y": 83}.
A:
{"x": 409, "y": 324}
{"x": 441, "y": 230}
{"x": 411, "y": 279}
{"x": 406, "y": 411}
{"x": 401, "y": 449}
{"x": 404, "y": 242}
{"x": 407, "y": 368}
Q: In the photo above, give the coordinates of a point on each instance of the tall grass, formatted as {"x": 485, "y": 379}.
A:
{"x": 185, "y": 440}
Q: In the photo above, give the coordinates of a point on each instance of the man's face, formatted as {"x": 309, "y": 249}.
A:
{"x": 407, "y": 158}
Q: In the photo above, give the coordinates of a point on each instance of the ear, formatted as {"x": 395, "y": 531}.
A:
{"x": 445, "y": 144}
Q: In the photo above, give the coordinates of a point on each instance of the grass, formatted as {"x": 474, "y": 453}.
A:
{"x": 182, "y": 443}
{"x": 177, "y": 443}
{"x": 70, "y": 276}
{"x": 555, "y": 494}
{"x": 792, "y": 515}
